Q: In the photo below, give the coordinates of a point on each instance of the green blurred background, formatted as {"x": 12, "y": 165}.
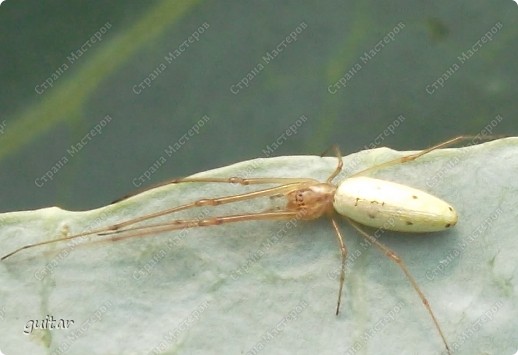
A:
{"x": 38, "y": 125}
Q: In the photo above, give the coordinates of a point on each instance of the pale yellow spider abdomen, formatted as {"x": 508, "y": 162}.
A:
{"x": 388, "y": 205}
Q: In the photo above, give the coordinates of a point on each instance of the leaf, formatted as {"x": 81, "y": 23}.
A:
{"x": 270, "y": 285}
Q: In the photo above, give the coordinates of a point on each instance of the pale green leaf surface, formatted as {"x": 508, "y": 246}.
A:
{"x": 240, "y": 288}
